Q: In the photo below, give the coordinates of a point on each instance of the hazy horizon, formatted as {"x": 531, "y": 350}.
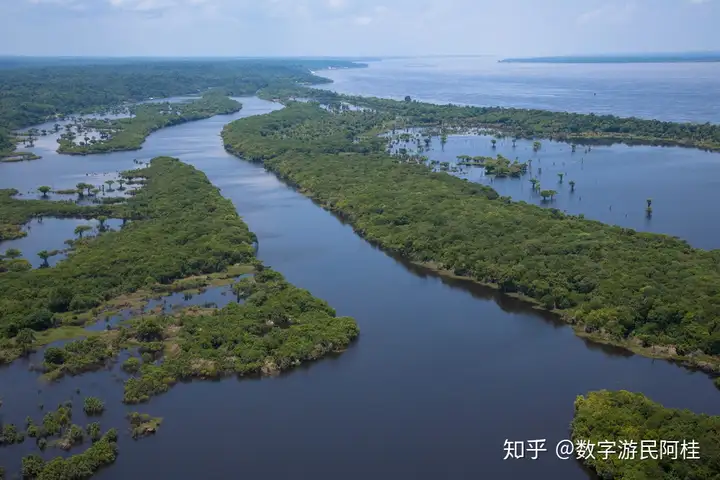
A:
{"x": 356, "y": 28}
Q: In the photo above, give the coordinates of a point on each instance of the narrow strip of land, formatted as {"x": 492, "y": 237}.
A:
{"x": 651, "y": 293}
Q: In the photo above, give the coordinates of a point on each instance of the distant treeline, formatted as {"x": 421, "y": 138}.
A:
{"x": 35, "y": 90}
{"x": 529, "y": 123}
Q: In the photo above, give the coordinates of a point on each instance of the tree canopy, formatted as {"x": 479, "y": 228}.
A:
{"x": 622, "y": 416}
{"x": 620, "y": 285}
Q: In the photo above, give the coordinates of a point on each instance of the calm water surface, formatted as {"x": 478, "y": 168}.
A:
{"x": 50, "y": 234}
{"x": 612, "y": 183}
{"x": 676, "y": 92}
{"x": 442, "y": 374}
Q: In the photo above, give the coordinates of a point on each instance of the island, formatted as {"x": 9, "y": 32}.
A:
{"x": 651, "y": 293}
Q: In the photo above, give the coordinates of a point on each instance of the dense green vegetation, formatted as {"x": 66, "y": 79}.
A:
{"x": 130, "y": 133}
{"x": 142, "y": 424}
{"x": 82, "y": 466}
{"x": 624, "y": 416}
{"x": 181, "y": 227}
{"x": 277, "y": 327}
{"x": 637, "y": 289}
{"x": 34, "y": 92}
{"x": 526, "y": 123}
{"x": 93, "y": 406}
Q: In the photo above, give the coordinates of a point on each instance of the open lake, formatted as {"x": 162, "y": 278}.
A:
{"x": 678, "y": 92}
{"x": 442, "y": 373}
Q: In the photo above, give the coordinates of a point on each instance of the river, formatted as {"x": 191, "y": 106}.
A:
{"x": 678, "y": 92}
{"x": 442, "y": 374}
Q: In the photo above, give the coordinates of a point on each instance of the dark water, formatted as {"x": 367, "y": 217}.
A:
{"x": 612, "y": 183}
{"x": 442, "y": 373}
{"x": 677, "y": 92}
{"x": 50, "y": 234}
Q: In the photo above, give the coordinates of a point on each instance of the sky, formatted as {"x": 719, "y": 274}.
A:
{"x": 356, "y": 27}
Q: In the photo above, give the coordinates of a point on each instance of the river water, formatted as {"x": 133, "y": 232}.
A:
{"x": 442, "y": 374}
{"x": 680, "y": 92}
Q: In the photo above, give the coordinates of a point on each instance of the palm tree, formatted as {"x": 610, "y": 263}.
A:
{"x": 572, "y": 185}
{"x": 44, "y": 255}
{"x": 44, "y": 190}
{"x": 80, "y": 229}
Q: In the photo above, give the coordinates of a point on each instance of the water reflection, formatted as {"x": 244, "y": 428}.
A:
{"x": 50, "y": 234}
{"x": 610, "y": 184}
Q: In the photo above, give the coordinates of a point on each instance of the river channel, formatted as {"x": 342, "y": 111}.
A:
{"x": 442, "y": 374}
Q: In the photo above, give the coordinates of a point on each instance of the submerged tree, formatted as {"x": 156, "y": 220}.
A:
{"x": 560, "y": 176}
{"x": 101, "y": 223}
{"x": 514, "y": 140}
{"x": 573, "y": 146}
{"x": 572, "y": 185}
{"x": 548, "y": 194}
{"x": 649, "y": 203}
{"x": 494, "y": 142}
{"x": 44, "y": 190}
{"x": 80, "y": 229}
{"x": 536, "y": 146}
{"x": 44, "y": 255}
{"x": 535, "y": 183}
{"x": 109, "y": 184}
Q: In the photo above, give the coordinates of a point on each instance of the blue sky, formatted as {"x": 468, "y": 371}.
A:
{"x": 356, "y": 27}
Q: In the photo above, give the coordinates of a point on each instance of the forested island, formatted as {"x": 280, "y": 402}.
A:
{"x": 651, "y": 293}
{"x": 130, "y": 133}
{"x": 579, "y": 128}
{"x": 622, "y": 416}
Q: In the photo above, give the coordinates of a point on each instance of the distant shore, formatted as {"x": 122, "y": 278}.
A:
{"x": 648, "y": 58}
